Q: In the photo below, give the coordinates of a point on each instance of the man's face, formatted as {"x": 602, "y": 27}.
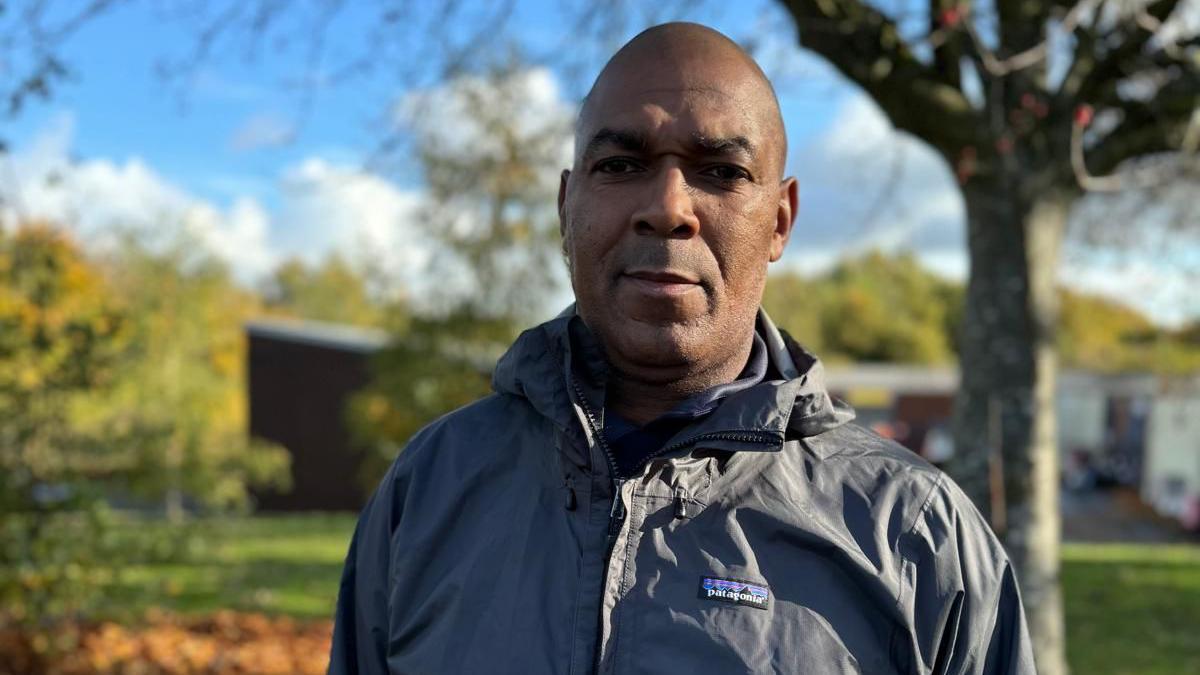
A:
{"x": 672, "y": 213}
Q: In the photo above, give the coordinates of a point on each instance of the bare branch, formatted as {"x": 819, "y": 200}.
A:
{"x": 1109, "y": 183}
{"x": 30, "y": 49}
{"x": 1168, "y": 127}
{"x": 1094, "y": 71}
{"x": 866, "y": 47}
{"x": 945, "y": 39}
{"x": 1035, "y": 54}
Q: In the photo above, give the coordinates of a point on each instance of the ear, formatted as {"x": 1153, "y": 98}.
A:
{"x": 562, "y": 200}
{"x": 785, "y": 216}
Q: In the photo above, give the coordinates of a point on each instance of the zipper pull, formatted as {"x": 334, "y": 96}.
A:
{"x": 680, "y": 504}
{"x": 571, "y": 501}
{"x": 617, "y": 514}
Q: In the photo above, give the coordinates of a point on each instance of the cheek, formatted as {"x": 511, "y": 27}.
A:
{"x": 743, "y": 251}
{"x": 589, "y": 238}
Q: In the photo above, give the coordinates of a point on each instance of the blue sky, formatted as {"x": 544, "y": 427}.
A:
{"x": 271, "y": 173}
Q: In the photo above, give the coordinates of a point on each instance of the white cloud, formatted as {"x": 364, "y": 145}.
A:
{"x": 471, "y": 121}
{"x": 96, "y": 197}
{"x": 263, "y": 130}
{"x": 323, "y": 208}
{"x": 328, "y": 207}
{"x": 239, "y": 236}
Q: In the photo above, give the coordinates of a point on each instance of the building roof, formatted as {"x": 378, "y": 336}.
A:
{"x": 901, "y": 379}
{"x": 335, "y": 336}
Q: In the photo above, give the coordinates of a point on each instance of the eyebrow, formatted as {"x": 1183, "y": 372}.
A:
{"x": 633, "y": 141}
{"x": 636, "y": 141}
{"x": 710, "y": 145}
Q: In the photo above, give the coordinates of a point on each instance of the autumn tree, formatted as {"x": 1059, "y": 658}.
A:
{"x": 873, "y": 307}
{"x": 1101, "y": 335}
{"x": 332, "y": 290}
{"x": 177, "y": 408}
{"x": 1031, "y": 104}
{"x": 121, "y": 379}
{"x": 62, "y": 336}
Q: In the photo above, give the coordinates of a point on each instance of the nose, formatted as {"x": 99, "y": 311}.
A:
{"x": 667, "y": 210}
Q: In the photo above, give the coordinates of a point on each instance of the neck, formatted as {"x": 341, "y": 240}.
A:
{"x": 642, "y": 394}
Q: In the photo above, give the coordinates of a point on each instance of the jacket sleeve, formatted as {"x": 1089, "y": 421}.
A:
{"x": 360, "y": 629}
{"x": 969, "y": 607}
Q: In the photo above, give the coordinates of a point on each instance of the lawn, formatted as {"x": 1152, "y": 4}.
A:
{"x": 1131, "y": 609}
{"x": 272, "y": 564}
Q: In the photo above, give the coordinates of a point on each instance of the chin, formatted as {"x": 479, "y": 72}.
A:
{"x": 656, "y": 344}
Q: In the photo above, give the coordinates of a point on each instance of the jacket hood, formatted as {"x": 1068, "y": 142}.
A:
{"x": 542, "y": 363}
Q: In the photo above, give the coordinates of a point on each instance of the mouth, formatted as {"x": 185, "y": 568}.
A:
{"x": 662, "y": 276}
{"x": 662, "y": 283}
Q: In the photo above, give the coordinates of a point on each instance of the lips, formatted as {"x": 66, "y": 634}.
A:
{"x": 662, "y": 277}
{"x": 662, "y": 283}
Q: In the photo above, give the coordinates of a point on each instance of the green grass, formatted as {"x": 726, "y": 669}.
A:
{"x": 273, "y": 564}
{"x": 1131, "y": 609}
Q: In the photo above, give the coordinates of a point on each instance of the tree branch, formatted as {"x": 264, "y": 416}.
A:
{"x": 1146, "y": 129}
{"x": 944, "y": 16}
{"x": 867, "y": 48}
{"x": 1022, "y": 24}
{"x": 1091, "y": 71}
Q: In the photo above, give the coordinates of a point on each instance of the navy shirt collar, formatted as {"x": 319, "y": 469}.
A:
{"x": 698, "y": 405}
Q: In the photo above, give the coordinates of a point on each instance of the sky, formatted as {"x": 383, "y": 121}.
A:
{"x": 259, "y": 172}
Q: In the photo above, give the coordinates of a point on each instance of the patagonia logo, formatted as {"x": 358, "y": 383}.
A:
{"x": 735, "y": 591}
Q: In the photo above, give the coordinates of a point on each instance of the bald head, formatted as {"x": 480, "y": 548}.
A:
{"x": 686, "y": 57}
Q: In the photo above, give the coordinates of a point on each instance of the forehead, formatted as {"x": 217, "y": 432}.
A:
{"x": 667, "y": 112}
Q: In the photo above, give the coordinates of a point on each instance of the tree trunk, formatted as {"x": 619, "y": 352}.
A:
{"x": 1005, "y": 431}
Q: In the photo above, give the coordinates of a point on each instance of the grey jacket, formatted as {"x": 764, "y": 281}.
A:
{"x": 772, "y": 536}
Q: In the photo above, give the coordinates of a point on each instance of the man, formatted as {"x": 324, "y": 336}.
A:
{"x": 660, "y": 483}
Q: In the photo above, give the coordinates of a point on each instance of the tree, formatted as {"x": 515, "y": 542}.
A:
{"x": 1029, "y": 102}
{"x": 873, "y": 307}
{"x": 119, "y": 378}
{"x": 62, "y": 336}
{"x": 178, "y": 405}
{"x": 492, "y": 184}
{"x": 799, "y": 305}
{"x": 332, "y": 291}
{"x": 30, "y": 42}
{"x": 891, "y": 309}
{"x": 436, "y": 364}
{"x": 887, "y": 308}
{"x": 1101, "y": 335}
{"x": 498, "y": 259}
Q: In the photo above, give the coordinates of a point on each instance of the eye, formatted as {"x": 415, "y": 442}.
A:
{"x": 727, "y": 173}
{"x": 617, "y": 166}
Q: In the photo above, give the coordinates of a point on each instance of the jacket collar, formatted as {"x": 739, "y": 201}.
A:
{"x": 540, "y": 367}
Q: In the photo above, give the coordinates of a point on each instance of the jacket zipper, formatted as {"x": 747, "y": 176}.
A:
{"x": 738, "y": 436}
{"x": 616, "y": 514}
